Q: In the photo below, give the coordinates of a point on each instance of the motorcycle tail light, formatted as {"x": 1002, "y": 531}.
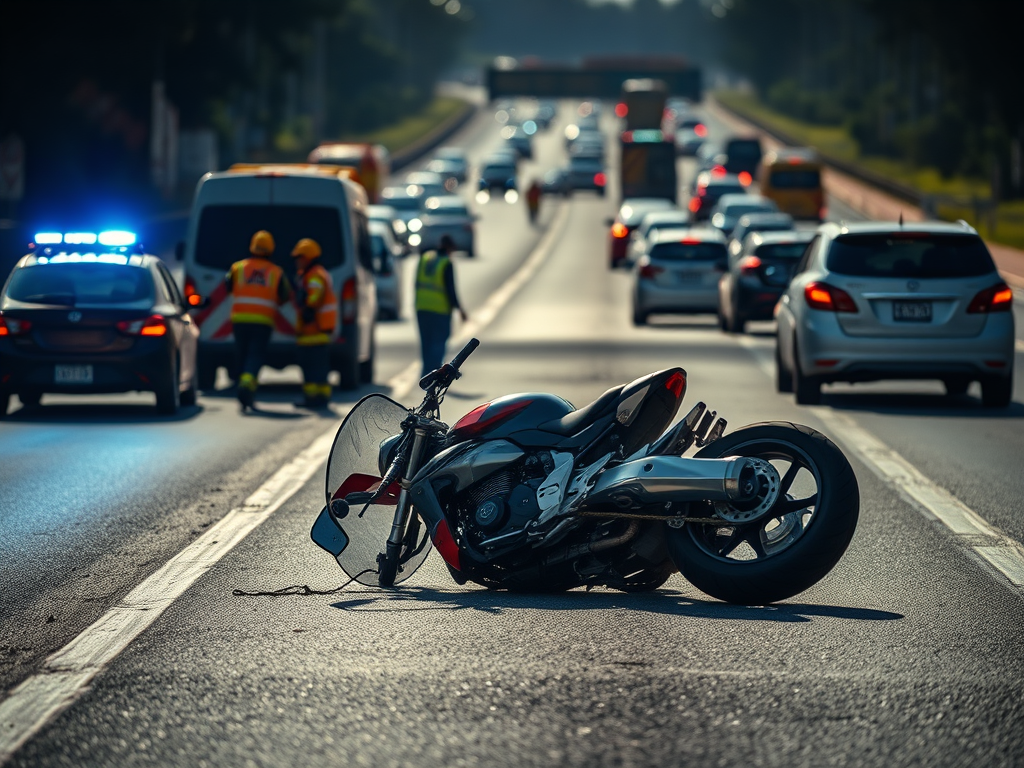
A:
{"x": 11, "y": 327}
{"x": 349, "y": 301}
{"x": 998, "y": 298}
{"x": 154, "y": 325}
{"x": 828, "y": 298}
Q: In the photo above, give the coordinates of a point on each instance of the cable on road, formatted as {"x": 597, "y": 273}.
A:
{"x": 300, "y": 589}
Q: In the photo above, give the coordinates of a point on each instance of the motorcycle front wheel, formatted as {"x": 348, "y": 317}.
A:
{"x": 795, "y": 543}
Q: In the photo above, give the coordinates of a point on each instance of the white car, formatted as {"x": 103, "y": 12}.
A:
{"x": 445, "y": 215}
{"x": 387, "y": 273}
{"x": 880, "y": 300}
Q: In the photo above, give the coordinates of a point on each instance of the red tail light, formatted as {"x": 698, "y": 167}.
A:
{"x": 349, "y": 301}
{"x": 619, "y": 230}
{"x": 694, "y": 205}
{"x": 191, "y": 293}
{"x": 828, "y": 298}
{"x": 745, "y": 178}
{"x": 749, "y": 265}
{"x": 621, "y": 109}
{"x": 154, "y": 325}
{"x": 700, "y": 129}
{"x": 649, "y": 271}
{"x": 11, "y": 327}
{"x": 599, "y": 179}
{"x": 718, "y": 170}
{"x": 998, "y": 298}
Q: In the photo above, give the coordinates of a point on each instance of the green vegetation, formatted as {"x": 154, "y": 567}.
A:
{"x": 957, "y": 196}
{"x": 409, "y": 130}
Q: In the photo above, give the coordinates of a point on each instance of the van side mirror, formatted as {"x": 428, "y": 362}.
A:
{"x": 179, "y": 250}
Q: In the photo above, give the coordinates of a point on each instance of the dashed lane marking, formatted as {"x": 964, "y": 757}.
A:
{"x": 996, "y": 550}
{"x": 67, "y": 674}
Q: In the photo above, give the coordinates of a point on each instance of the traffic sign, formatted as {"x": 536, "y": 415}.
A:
{"x": 12, "y": 168}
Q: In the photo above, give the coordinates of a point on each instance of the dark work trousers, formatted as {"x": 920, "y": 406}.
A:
{"x": 315, "y": 361}
{"x": 434, "y": 331}
{"x": 251, "y": 341}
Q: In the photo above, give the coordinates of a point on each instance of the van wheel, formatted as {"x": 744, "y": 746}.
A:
{"x": 346, "y": 363}
{"x": 366, "y": 368}
{"x": 206, "y": 376}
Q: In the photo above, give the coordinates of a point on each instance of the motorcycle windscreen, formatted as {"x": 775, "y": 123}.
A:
{"x": 352, "y": 467}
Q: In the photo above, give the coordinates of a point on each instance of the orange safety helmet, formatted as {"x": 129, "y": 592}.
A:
{"x": 262, "y": 243}
{"x": 307, "y": 248}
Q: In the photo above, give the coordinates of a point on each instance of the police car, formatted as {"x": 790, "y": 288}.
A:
{"x": 89, "y": 312}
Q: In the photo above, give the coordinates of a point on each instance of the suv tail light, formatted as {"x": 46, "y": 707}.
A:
{"x": 599, "y": 179}
{"x": 349, "y": 301}
{"x": 191, "y": 293}
{"x": 828, "y": 298}
{"x": 154, "y": 325}
{"x": 619, "y": 230}
{"x": 694, "y": 205}
{"x": 11, "y": 327}
{"x": 998, "y": 298}
{"x": 648, "y": 271}
{"x": 749, "y": 265}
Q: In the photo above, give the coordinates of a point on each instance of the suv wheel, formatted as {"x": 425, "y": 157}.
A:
{"x": 997, "y": 391}
{"x": 806, "y": 388}
{"x": 783, "y": 376}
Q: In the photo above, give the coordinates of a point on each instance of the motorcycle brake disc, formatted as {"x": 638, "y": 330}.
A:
{"x": 769, "y": 484}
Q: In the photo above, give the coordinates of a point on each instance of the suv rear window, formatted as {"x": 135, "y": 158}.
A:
{"x": 782, "y": 251}
{"x": 796, "y": 179}
{"x": 225, "y": 230}
{"x": 909, "y": 255}
{"x": 78, "y": 284}
{"x": 688, "y": 252}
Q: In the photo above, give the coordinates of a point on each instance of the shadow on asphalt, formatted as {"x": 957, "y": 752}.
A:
{"x": 99, "y": 413}
{"x": 666, "y": 601}
{"x": 923, "y": 405}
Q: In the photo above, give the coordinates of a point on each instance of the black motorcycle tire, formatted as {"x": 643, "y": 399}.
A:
{"x": 807, "y": 559}
{"x": 387, "y": 565}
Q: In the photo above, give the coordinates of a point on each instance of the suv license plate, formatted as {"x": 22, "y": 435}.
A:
{"x": 73, "y": 374}
{"x": 912, "y": 311}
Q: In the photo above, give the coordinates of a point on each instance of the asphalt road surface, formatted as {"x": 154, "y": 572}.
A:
{"x": 908, "y": 653}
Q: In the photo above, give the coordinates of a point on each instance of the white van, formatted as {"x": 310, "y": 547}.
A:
{"x": 290, "y": 202}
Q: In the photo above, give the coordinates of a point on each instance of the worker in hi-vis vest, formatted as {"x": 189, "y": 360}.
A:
{"x": 436, "y": 299}
{"x": 258, "y": 287}
{"x": 316, "y": 317}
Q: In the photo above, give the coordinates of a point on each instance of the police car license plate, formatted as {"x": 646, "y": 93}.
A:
{"x": 73, "y": 374}
{"x": 912, "y": 311}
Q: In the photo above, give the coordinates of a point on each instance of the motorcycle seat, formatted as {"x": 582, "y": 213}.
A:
{"x": 575, "y": 422}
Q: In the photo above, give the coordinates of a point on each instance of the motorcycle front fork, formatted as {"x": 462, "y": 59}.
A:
{"x": 401, "y": 521}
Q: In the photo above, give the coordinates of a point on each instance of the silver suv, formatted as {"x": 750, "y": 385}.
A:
{"x": 880, "y": 300}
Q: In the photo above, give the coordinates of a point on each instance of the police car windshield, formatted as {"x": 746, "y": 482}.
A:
{"x": 225, "y": 230}
{"x": 80, "y": 284}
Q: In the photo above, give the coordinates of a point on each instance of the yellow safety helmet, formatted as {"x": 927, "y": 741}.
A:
{"x": 262, "y": 243}
{"x": 307, "y": 248}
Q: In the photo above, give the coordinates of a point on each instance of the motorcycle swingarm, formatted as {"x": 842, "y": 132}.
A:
{"x": 697, "y": 428}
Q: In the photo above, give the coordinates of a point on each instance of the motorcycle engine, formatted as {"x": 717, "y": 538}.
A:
{"x": 505, "y": 501}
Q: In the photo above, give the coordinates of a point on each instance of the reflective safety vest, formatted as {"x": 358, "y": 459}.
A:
{"x": 431, "y": 295}
{"x": 254, "y": 288}
{"x": 319, "y": 293}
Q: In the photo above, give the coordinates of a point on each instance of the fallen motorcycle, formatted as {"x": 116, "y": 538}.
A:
{"x": 526, "y": 492}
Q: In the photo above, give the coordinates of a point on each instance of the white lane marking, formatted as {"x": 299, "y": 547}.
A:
{"x": 999, "y": 551}
{"x": 66, "y": 675}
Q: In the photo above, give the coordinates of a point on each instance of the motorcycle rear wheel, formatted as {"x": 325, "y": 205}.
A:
{"x": 796, "y": 543}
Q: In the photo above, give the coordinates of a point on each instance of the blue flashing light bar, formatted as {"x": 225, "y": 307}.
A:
{"x": 80, "y": 238}
{"x": 49, "y": 238}
{"x": 117, "y": 237}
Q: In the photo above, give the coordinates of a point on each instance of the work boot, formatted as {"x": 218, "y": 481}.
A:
{"x": 245, "y": 398}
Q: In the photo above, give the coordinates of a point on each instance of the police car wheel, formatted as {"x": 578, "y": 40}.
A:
{"x": 5, "y": 401}
{"x": 168, "y": 392}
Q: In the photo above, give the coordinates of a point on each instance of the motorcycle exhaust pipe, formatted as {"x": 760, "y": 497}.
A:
{"x": 659, "y": 479}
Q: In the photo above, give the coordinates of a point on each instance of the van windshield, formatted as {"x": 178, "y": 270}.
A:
{"x": 225, "y": 230}
{"x": 796, "y": 179}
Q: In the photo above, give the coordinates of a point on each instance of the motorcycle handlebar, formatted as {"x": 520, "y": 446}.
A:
{"x": 467, "y": 350}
